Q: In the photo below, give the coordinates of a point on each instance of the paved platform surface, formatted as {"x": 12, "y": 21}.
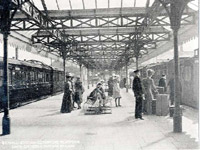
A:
{"x": 41, "y": 126}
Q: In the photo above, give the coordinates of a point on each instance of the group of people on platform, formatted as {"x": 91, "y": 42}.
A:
{"x": 73, "y": 91}
{"x": 143, "y": 90}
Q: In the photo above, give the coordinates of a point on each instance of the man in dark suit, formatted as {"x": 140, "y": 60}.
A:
{"x": 138, "y": 92}
{"x": 162, "y": 82}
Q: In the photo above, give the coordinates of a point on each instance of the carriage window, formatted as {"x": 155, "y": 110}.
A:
{"x": 47, "y": 77}
{"x": 60, "y": 76}
{"x": 10, "y": 77}
{"x": 187, "y": 73}
{"x": 43, "y": 77}
{"x": 36, "y": 76}
{"x": 23, "y": 77}
{"x": 27, "y": 77}
{"x": 40, "y": 76}
{"x": 1, "y": 77}
{"x": 17, "y": 76}
{"x": 32, "y": 76}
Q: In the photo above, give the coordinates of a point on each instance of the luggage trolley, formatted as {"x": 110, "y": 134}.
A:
{"x": 97, "y": 106}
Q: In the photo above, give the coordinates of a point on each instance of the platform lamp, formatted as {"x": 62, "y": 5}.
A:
{"x": 7, "y": 13}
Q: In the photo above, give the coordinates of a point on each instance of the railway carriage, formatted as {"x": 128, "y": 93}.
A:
{"x": 58, "y": 78}
{"x": 30, "y": 80}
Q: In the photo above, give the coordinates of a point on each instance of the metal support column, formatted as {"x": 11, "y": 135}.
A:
{"x": 88, "y": 81}
{"x": 92, "y": 77}
{"x": 136, "y": 62}
{"x": 126, "y": 76}
{"x": 175, "y": 12}
{"x": 16, "y": 53}
{"x": 6, "y": 118}
{"x": 80, "y": 67}
{"x": 64, "y": 63}
{"x": 5, "y": 22}
{"x": 177, "y": 113}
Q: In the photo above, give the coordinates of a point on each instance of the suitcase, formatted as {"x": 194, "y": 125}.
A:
{"x": 162, "y": 105}
{"x": 160, "y": 90}
{"x": 171, "y": 111}
{"x": 154, "y": 106}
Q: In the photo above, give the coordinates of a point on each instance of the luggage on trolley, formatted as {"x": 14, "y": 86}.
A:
{"x": 97, "y": 106}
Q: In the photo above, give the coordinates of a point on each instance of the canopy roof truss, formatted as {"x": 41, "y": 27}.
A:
{"x": 101, "y": 37}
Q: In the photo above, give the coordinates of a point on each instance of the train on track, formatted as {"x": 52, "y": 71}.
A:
{"x": 189, "y": 77}
{"x": 29, "y": 80}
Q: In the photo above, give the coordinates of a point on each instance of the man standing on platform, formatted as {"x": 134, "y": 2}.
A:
{"x": 139, "y": 94}
{"x": 162, "y": 82}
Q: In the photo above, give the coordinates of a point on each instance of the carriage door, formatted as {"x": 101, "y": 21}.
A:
{"x": 186, "y": 83}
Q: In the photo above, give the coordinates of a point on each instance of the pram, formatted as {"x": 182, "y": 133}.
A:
{"x": 97, "y": 106}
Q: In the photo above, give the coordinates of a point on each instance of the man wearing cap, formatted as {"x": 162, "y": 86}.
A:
{"x": 67, "y": 97}
{"x": 138, "y": 92}
{"x": 162, "y": 82}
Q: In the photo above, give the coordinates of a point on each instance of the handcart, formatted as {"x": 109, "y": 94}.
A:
{"x": 97, "y": 106}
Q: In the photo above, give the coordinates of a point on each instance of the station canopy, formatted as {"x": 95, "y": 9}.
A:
{"x": 102, "y": 34}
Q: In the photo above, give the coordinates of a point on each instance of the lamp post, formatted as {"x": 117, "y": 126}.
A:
{"x": 5, "y": 23}
{"x": 136, "y": 61}
{"x": 175, "y": 11}
{"x": 64, "y": 56}
{"x": 88, "y": 81}
{"x": 80, "y": 67}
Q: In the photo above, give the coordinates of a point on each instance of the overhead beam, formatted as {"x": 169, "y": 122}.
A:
{"x": 40, "y": 20}
{"x": 88, "y": 13}
{"x": 185, "y": 34}
{"x": 65, "y": 17}
{"x": 112, "y": 31}
{"x": 100, "y": 12}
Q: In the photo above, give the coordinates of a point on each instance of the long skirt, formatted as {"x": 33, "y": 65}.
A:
{"x": 66, "y": 106}
{"x": 78, "y": 97}
{"x": 116, "y": 94}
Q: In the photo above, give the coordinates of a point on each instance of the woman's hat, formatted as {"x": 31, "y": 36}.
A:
{"x": 68, "y": 74}
{"x": 136, "y": 71}
{"x": 99, "y": 83}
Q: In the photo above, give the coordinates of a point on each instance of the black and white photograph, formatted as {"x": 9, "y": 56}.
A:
{"x": 99, "y": 75}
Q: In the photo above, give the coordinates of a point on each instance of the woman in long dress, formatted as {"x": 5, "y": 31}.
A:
{"x": 116, "y": 91}
{"x": 78, "y": 92}
{"x": 66, "y": 106}
{"x": 149, "y": 86}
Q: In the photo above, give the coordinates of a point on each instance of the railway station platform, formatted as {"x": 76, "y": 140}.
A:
{"x": 41, "y": 126}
